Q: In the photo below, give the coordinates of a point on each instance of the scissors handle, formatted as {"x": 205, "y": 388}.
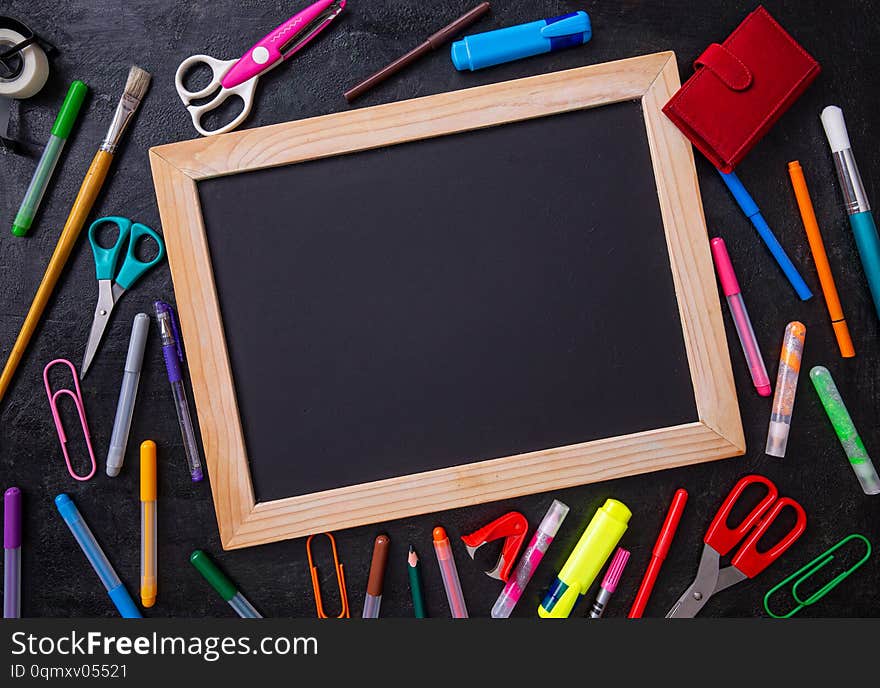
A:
{"x": 749, "y": 560}
{"x": 133, "y": 268}
{"x": 721, "y": 537}
{"x": 218, "y": 70}
{"x": 107, "y": 258}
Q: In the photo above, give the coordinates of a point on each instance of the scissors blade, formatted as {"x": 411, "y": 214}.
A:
{"x": 729, "y": 575}
{"x": 312, "y": 29}
{"x": 99, "y": 323}
{"x": 695, "y": 597}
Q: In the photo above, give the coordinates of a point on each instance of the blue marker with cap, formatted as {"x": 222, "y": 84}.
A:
{"x": 90, "y": 547}
{"x": 751, "y": 211}
{"x": 524, "y": 40}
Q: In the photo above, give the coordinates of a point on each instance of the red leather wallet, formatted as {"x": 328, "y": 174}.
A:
{"x": 741, "y": 88}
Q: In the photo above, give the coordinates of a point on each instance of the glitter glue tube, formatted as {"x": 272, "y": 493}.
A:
{"x": 786, "y": 387}
{"x": 530, "y": 559}
{"x": 449, "y": 573}
{"x": 730, "y": 286}
{"x": 845, "y": 429}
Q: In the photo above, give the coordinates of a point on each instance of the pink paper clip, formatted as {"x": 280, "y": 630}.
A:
{"x": 78, "y": 402}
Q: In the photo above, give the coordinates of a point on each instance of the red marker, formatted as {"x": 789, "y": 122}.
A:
{"x": 661, "y": 548}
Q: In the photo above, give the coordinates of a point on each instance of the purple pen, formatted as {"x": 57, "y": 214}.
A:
{"x": 173, "y": 354}
{"x": 12, "y": 553}
{"x": 609, "y": 583}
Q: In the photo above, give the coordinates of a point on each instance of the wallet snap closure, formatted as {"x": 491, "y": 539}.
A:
{"x": 726, "y": 66}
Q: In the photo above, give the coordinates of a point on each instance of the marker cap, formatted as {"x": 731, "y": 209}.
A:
{"x": 378, "y": 565}
{"x": 69, "y": 111}
{"x": 726, "y": 275}
{"x": 140, "y": 326}
{"x": 213, "y": 575}
{"x": 844, "y": 341}
{"x": 67, "y": 508}
{"x": 12, "y": 518}
{"x": 148, "y": 471}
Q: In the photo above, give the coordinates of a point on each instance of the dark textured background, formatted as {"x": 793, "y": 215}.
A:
{"x": 99, "y": 40}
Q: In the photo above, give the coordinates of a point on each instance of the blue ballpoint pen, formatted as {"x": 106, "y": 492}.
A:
{"x": 90, "y": 547}
{"x": 173, "y": 354}
{"x": 855, "y": 199}
{"x": 750, "y": 209}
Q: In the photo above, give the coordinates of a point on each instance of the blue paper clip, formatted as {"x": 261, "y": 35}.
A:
{"x": 806, "y": 571}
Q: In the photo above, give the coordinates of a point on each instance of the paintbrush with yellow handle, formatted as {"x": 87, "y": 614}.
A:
{"x": 135, "y": 88}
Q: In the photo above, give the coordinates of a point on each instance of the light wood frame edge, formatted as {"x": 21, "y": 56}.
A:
{"x": 178, "y": 167}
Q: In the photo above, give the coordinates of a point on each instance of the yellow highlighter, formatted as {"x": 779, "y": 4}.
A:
{"x": 586, "y": 560}
{"x": 148, "y": 523}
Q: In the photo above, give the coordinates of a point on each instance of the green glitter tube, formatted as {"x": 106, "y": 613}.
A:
{"x": 846, "y": 431}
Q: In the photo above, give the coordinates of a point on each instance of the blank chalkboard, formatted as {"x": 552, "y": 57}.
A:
{"x": 454, "y": 299}
{"x": 448, "y": 300}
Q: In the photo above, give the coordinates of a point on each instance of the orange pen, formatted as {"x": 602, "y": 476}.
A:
{"x": 817, "y": 247}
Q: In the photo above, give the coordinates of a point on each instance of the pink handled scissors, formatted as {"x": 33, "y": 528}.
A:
{"x": 239, "y": 77}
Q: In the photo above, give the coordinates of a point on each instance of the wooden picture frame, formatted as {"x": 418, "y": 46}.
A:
{"x": 243, "y": 521}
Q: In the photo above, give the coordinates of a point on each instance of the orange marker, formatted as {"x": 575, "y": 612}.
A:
{"x": 826, "y": 279}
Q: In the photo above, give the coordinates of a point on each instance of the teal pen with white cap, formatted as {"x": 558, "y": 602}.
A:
{"x": 855, "y": 199}
{"x": 39, "y": 183}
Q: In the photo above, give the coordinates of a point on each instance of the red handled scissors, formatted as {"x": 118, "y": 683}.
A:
{"x": 720, "y": 539}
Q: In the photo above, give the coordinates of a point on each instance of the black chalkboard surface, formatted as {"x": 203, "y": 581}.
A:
{"x": 449, "y": 300}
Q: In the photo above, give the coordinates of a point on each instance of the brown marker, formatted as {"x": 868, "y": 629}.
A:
{"x": 377, "y": 574}
{"x": 433, "y": 42}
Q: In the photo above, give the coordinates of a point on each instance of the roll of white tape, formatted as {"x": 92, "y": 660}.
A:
{"x": 34, "y": 68}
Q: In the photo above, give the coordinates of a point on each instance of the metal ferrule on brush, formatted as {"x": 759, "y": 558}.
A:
{"x": 128, "y": 105}
{"x": 854, "y": 197}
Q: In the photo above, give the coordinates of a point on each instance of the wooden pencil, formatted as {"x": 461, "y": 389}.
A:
{"x": 415, "y": 584}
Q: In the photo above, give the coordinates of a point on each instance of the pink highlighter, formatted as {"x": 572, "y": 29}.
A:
{"x": 731, "y": 289}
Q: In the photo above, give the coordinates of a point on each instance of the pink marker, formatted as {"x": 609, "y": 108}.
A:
{"x": 731, "y": 289}
{"x": 609, "y": 583}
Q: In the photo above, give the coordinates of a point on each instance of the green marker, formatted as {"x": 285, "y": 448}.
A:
{"x": 846, "y": 431}
{"x": 224, "y": 586}
{"x": 60, "y": 131}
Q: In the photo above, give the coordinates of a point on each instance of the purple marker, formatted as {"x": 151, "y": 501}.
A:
{"x": 173, "y": 354}
{"x": 12, "y": 553}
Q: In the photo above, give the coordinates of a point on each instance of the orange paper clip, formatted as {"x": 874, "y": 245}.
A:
{"x": 340, "y": 579}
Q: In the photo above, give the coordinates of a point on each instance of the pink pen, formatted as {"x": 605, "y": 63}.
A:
{"x": 609, "y": 583}
{"x": 731, "y": 289}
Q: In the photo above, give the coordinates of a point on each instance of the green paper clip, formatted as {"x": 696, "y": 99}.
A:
{"x": 809, "y": 569}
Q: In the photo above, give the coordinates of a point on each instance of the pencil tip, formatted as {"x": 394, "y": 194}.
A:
{"x": 413, "y": 558}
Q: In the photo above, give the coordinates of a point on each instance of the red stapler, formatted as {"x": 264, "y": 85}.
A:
{"x": 513, "y": 527}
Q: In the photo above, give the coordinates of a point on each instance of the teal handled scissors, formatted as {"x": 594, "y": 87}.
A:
{"x": 106, "y": 259}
